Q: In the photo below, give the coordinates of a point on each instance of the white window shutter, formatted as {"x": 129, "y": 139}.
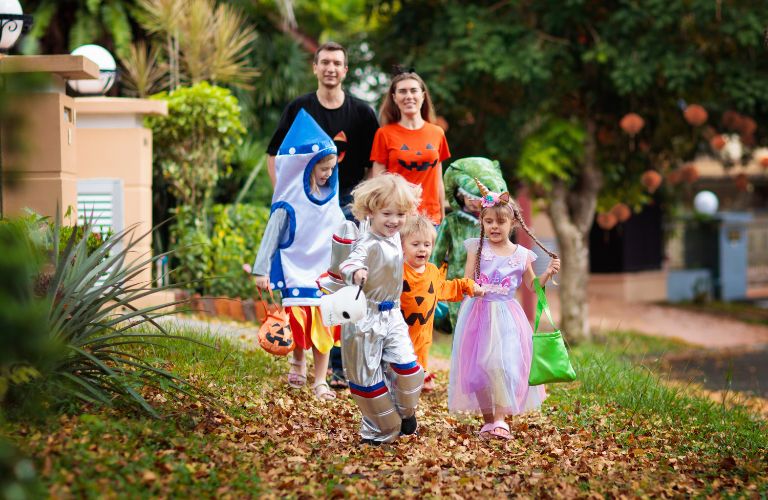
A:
{"x": 100, "y": 202}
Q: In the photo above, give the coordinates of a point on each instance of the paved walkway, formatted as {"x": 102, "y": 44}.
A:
{"x": 606, "y": 313}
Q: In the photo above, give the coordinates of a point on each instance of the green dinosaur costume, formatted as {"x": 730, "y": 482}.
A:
{"x": 459, "y": 225}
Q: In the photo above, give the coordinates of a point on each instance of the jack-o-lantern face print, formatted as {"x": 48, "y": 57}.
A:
{"x": 424, "y": 305}
{"x": 417, "y": 159}
{"x": 341, "y": 145}
{"x": 275, "y": 336}
{"x": 279, "y": 334}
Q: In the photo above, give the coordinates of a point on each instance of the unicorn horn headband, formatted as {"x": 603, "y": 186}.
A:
{"x": 491, "y": 198}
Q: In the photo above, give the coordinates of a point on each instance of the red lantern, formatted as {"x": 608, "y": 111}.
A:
{"x": 731, "y": 120}
{"x": 742, "y": 182}
{"x": 621, "y": 211}
{"x": 690, "y": 173}
{"x": 606, "y": 221}
{"x": 441, "y": 122}
{"x": 651, "y": 179}
{"x": 632, "y": 123}
{"x": 674, "y": 177}
{"x": 748, "y": 126}
{"x": 695, "y": 114}
{"x": 717, "y": 142}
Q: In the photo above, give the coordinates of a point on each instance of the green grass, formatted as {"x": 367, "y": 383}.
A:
{"x": 620, "y": 398}
{"x": 623, "y": 375}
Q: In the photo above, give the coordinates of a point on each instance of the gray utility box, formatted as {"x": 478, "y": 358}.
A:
{"x": 715, "y": 258}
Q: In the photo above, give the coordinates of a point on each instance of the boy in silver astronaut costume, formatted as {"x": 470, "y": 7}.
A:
{"x": 379, "y": 362}
{"x": 384, "y": 378}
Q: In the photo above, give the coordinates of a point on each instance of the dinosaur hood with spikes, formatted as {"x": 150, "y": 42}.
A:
{"x": 460, "y": 177}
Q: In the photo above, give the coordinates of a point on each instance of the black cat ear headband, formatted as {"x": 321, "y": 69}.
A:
{"x": 397, "y": 69}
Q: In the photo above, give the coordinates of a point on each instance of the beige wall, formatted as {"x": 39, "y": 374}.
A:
{"x": 47, "y": 160}
{"x": 125, "y": 154}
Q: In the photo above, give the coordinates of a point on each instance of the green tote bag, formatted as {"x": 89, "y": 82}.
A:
{"x": 550, "y": 362}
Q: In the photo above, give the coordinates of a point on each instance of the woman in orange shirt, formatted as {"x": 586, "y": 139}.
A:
{"x": 410, "y": 144}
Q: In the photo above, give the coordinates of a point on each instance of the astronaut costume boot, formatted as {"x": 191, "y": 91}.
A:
{"x": 379, "y": 362}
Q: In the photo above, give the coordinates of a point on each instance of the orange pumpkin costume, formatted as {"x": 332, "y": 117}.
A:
{"x": 421, "y": 291}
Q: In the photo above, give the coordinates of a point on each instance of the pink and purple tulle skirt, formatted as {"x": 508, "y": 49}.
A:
{"x": 491, "y": 359}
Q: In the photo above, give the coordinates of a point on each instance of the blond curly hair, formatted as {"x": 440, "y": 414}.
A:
{"x": 385, "y": 190}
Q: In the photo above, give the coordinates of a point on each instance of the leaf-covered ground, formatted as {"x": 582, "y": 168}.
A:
{"x": 265, "y": 439}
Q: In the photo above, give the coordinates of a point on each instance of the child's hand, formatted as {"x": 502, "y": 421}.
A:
{"x": 478, "y": 291}
{"x": 554, "y": 267}
{"x": 359, "y": 276}
{"x": 262, "y": 282}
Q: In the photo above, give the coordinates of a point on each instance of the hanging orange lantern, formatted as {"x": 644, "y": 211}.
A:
{"x": 632, "y": 123}
{"x": 441, "y": 122}
{"x": 717, "y": 142}
{"x": 651, "y": 179}
{"x": 742, "y": 182}
{"x": 764, "y": 162}
{"x": 748, "y": 126}
{"x": 606, "y": 220}
{"x": 621, "y": 211}
{"x": 695, "y": 114}
{"x": 690, "y": 173}
{"x": 731, "y": 119}
{"x": 674, "y": 177}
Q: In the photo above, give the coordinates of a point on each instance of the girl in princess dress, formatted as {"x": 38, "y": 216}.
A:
{"x": 493, "y": 340}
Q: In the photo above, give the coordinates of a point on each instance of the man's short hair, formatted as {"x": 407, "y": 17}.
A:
{"x": 331, "y": 46}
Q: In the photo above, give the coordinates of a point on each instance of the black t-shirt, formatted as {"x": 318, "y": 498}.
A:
{"x": 351, "y": 126}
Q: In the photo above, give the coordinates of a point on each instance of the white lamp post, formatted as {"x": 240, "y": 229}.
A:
{"x": 107, "y": 70}
{"x": 706, "y": 203}
{"x": 13, "y": 23}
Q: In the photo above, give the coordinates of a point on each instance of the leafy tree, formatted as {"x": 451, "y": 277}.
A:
{"x": 543, "y": 86}
{"x": 62, "y": 25}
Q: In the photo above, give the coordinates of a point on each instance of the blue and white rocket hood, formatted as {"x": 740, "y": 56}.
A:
{"x": 305, "y": 251}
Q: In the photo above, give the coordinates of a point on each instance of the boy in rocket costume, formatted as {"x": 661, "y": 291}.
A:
{"x": 295, "y": 247}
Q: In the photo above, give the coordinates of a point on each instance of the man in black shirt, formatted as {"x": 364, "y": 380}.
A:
{"x": 350, "y": 121}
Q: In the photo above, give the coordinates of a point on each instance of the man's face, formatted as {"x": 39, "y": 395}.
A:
{"x": 330, "y": 68}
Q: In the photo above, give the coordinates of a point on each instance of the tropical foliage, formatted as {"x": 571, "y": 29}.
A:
{"x": 202, "y": 129}
{"x": 62, "y": 25}
{"x": 201, "y": 40}
{"x": 211, "y": 253}
{"x": 70, "y": 314}
{"x": 530, "y": 77}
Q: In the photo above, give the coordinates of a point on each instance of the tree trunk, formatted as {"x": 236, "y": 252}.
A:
{"x": 572, "y": 210}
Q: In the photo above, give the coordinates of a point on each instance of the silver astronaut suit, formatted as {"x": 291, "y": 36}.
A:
{"x": 384, "y": 378}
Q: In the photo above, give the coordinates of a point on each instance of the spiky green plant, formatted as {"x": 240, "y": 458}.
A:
{"x": 143, "y": 70}
{"x": 95, "y": 318}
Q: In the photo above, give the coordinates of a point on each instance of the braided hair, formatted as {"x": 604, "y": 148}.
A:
{"x": 517, "y": 216}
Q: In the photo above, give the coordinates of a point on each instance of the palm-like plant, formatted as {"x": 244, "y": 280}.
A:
{"x": 143, "y": 70}
{"x": 202, "y": 41}
{"x": 71, "y": 23}
{"x": 95, "y": 320}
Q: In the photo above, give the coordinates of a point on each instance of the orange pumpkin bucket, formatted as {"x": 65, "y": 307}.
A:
{"x": 275, "y": 335}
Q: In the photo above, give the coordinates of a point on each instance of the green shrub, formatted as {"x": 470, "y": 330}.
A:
{"x": 202, "y": 128}
{"x": 211, "y": 252}
{"x": 66, "y": 335}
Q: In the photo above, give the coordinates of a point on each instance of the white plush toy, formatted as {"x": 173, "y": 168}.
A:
{"x": 345, "y": 306}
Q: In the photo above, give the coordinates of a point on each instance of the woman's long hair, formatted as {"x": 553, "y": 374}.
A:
{"x": 390, "y": 113}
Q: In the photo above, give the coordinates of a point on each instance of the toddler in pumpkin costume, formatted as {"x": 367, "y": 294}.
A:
{"x": 423, "y": 286}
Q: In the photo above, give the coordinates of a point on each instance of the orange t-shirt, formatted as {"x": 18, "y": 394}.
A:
{"x": 414, "y": 154}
